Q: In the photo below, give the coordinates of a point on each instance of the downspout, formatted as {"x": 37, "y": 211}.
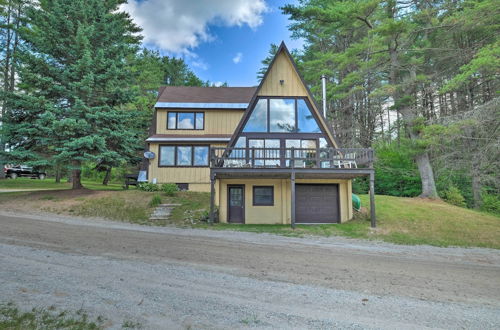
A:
{"x": 323, "y": 83}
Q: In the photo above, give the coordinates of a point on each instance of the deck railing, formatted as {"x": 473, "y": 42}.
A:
{"x": 320, "y": 158}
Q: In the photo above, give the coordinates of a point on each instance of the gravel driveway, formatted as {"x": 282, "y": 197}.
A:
{"x": 168, "y": 278}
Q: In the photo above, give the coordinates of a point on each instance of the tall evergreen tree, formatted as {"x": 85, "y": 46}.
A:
{"x": 73, "y": 80}
{"x": 423, "y": 59}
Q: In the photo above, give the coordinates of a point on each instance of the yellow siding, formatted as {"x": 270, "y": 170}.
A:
{"x": 254, "y": 214}
{"x": 282, "y": 69}
{"x": 280, "y": 213}
{"x": 197, "y": 177}
{"x": 216, "y": 122}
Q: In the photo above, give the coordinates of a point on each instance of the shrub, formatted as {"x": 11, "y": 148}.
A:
{"x": 155, "y": 201}
{"x": 146, "y": 186}
{"x": 170, "y": 189}
{"x": 491, "y": 203}
{"x": 454, "y": 196}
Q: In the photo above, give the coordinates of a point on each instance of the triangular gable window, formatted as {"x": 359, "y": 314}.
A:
{"x": 285, "y": 116}
{"x": 258, "y": 119}
{"x": 305, "y": 120}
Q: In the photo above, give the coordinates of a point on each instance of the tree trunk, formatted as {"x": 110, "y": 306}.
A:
{"x": 76, "y": 173}
{"x": 476, "y": 185}
{"x": 107, "y": 177}
{"x": 58, "y": 174}
{"x": 427, "y": 176}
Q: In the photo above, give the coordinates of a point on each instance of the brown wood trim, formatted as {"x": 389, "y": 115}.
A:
{"x": 186, "y": 129}
{"x": 175, "y": 155}
{"x": 253, "y": 196}
{"x": 228, "y": 200}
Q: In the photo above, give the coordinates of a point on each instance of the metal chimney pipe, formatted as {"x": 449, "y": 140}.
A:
{"x": 323, "y": 83}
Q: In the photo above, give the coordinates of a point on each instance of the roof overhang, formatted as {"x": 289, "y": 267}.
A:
{"x": 187, "y": 139}
{"x": 190, "y": 105}
{"x": 283, "y": 173}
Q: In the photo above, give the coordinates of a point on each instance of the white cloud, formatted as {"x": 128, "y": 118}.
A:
{"x": 218, "y": 83}
{"x": 237, "y": 59}
{"x": 180, "y": 25}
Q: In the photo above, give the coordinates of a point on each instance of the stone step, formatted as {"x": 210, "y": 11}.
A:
{"x": 162, "y": 211}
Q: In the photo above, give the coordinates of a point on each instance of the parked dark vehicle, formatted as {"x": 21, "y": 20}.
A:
{"x": 24, "y": 171}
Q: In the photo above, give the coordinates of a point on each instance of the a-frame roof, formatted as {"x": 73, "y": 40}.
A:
{"x": 269, "y": 80}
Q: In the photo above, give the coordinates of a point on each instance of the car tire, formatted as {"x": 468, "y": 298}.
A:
{"x": 41, "y": 176}
{"x": 13, "y": 175}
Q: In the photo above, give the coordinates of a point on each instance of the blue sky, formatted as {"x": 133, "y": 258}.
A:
{"x": 221, "y": 40}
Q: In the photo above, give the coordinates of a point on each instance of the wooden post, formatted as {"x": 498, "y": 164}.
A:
{"x": 292, "y": 179}
{"x": 372, "y": 199}
{"x": 212, "y": 198}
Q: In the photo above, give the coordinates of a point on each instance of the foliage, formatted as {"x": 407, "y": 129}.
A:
{"x": 50, "y": 319}
{"x": 454, "y": 197}
{"x": 395, "y": 172}
{"x": 73, "y": 81}
{"x": 155, "y": 201}
{"x": 147, "y": 186}
{"x": 491, "y": 203}
{"x": 170, "y": 189}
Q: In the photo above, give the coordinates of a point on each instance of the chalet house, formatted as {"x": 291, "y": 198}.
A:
{"x": 265, "y": 153}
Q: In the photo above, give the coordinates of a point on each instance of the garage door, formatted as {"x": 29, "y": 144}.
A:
{"x": 317, "y": 203}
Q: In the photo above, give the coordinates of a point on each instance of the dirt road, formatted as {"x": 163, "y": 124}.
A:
{"x": 175, "y": 278}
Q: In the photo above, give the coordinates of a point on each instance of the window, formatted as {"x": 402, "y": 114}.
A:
{"x": 183, "y": 156}
{"x": 167, "y": 156}
{"x": 185, "y": 120}
{"x": 305, "y": 120}
{"x": 200, "y": 156}
{"x": 282, "y": 115}
{"x": 258, "y": 119}
{"x": 263, "y": 195}
{"x": 261, "y": 155}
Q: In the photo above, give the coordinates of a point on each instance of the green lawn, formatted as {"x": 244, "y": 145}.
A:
{"x": 399, "y": 220}
{"x": 27, "y": 183}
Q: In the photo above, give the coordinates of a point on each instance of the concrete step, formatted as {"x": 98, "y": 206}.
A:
{"x": 162, "y": 211}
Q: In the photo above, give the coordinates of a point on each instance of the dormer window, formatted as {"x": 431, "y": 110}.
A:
{"x": 186, "y": 120}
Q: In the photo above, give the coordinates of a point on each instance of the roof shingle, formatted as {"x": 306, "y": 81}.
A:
{"x": 206, "y": 94}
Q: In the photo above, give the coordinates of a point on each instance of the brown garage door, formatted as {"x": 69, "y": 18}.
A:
{"x": 317, "y": 203}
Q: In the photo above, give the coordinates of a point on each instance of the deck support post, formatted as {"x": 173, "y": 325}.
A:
{"x": 212, "y": 198}
{"x": 292, "y": 180}
{"x": 372, "y": 199}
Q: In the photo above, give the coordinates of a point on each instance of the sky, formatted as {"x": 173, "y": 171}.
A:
{"x": 221, "y": 40}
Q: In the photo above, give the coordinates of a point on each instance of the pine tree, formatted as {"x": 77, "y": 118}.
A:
{"x": 73, "y": 81}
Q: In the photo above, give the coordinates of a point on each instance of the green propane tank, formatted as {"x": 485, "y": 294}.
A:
{"x": 356, "y": 202}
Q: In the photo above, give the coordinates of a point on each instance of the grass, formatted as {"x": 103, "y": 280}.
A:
{"x": 410, "y": 221}
{"x": 27, "y": 183}
{"x": 49, "y": 319}
{"x": 399, "y": 220}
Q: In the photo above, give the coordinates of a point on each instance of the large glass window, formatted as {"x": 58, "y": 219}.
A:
{"x": 263, "y": 195}
{"x": 258, "y": 119}
{"x": 305, "y": 120}
{"x": 185, "y": 120}
{"x": 200, "y": 156}
{"x": 167, "y": 155}
{"x": 282, "y": 115}
{"x": 184, "y": 155}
